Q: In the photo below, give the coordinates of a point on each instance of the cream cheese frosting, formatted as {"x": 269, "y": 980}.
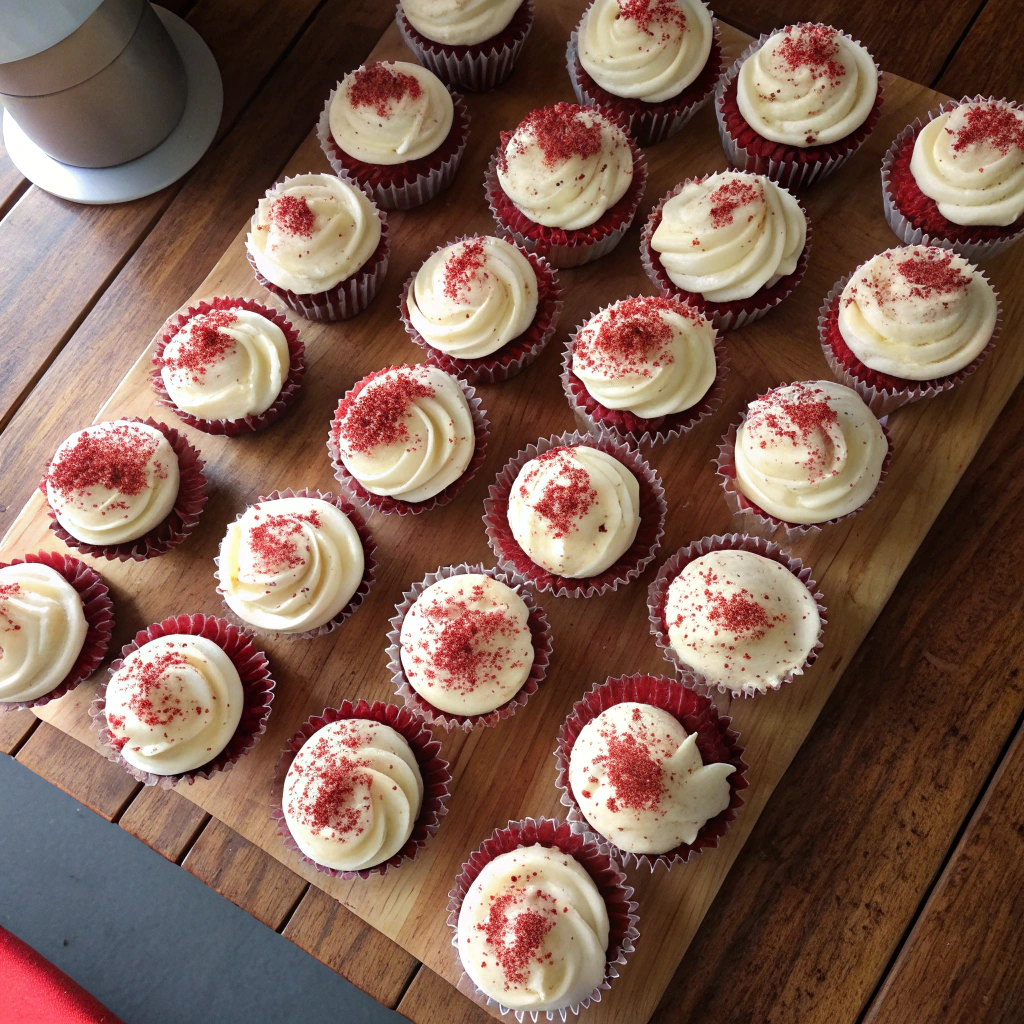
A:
{"x": 729, "y": 235}
{"x": 460, "y": 22}
{"x": 390, "y": 112}
{"x": 174, "y": 704}
{"x": 649, "y": 50}
{"x": 474, "y": 296}
{"x": 574, "y": 510}
{"x": 466, "y": 645}
{"x": 352, "y": 794}
{"x": 533, "y": 930}
{"x": 565, "y": 166}
{"x": 311, "y": 232}
{"x": 741, "y": 620}
{"x": 290, "y": 564}
{"x": 808, "y": 85}
{"x": 42, "y": 630}
{"x": 113, "y": 482}
{"x": 809, "y": 452}
{"x": 970, "y": 160}
{"x": 640, "y": 781}
{"x": 650, "y": 356}
{"x": 917, "y": 313}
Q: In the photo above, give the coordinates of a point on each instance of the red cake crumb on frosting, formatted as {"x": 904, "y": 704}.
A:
{"x": 814, "y": 48}
{"x": 805, "y": 419}
{"x": 728, "y": 198}
{"x": 460, "y": 268}
{"x": 336, "y": 791}
{"x": 647, "y": 12}
{"x": 292, "y": 215}
{"x": 514, "y": 952}
{"x": 566, "y": 500}
{"x": 113, "y": 457}
{"x": 375, "y": 417}
{"x": 994, "y": 123}
{"x": 202, "y": 343}
{"x": 379, "y": 86}
{"x": 273, "y": 539}
{"x": 559, "y": 132}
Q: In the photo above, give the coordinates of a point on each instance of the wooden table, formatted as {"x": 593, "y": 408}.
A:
{"x": 880, "y": 882}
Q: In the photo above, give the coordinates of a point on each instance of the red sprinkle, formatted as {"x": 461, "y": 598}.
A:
{"x": 202, "y": 343}
{"x": 375, "y": 417}
{"x": 379, "y": 86}
{"x": 153, "y": 697}
{"x": 335, "y": 791}
{"x": 994, "y": 123}
{"x": 739, "y": 614}
{"x": 646, "y": 12}
{"x": 273, "y": 539}
{"x": 932, "y": 271}
{"x": 461, "y": 266}
{"x": 514, "y": 952}
{"x": 729, "y": 197}
{"x": 113, "y": 457}
{"x": 813, "y": 47}
{"x": 801, "y": 416}
{"x": 7, "y": 591}
{"x": 637, "y": 777}
{"x": 564, "y": 499}
{"x": 292, "y": 215}
{"x": 560, "y": 132}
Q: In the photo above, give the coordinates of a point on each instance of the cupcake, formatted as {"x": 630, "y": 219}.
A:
{"x": 646, "y": 369}
{"x": 798, "y": 104}
{"x": 394, "y": 129}
{"x": 470, "y": 44}
{"x": 228, "y": 366}
{"x": 482, "y": 308}
{"x": 958, "y": 181}
{"x": 319, "y": 243}
{"x": 908, "y": 324}
{"x": 652, "y": 64}
{"x": 733, "y": 245}
{"x": 566, "y": 183}
{"x": 125, "y": 489}
{"x": 407, "y": 438}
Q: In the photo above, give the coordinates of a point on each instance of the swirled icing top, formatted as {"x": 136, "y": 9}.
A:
{"x": 459, "y": 22}
{"x": 290, "y": 564}
{"x": 352, "y": 794}
{"x": 648, "y": 50}
{"x": 533, "y": 930}
{"x": 390, "y": 112}
{"x": 809, "y": 452}
{"x": 970, "y": 160}
{"x": 917, "y": 313}
{"x": 174, "y": 704}
{"x": 312, "y": 232}
{"x": 474, "y": 296}
{"x": 808, "y": 85}
{"x": 406, "y": 432}
{"x": 741, "y": 620}
{"x": 640, "y": 780}
{"x": 574, "y": 510}
{"x": 113, "y": 482}
{"x": 729, "y": 235}
{"x": 650, "y": 356}
{"x": 565, "y": 165}
{"x": 42, "y": 630}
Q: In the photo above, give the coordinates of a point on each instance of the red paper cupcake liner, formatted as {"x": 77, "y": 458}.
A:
{"x": 517, "y": 354}
{"x": 603, "y": 870}
{"x": 257, "y": 688}
{"x": 382, "y": 502}
{"x": 98, "y": 609}
{"x": 512, "y": 558}
{"x": 433, "y": 770}
{"x": 369, "y": 547}
{"x": 540, "y": 631}
{"x": 289, "y": 388}
{"x": 657, "y": 599}
{"x": 697, "y": 713}
{"x": 477, "y": 68}
{"x": 915, "y": 218}
{"x": 790, "y": 166}
{"x": 178, "y": 524}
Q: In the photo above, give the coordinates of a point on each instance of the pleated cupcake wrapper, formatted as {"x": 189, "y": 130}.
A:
{"x": 903, "y": 228}
{"x": 607, "y": 875}
{"x": 635, "y": 430}
{"x": 257, "y": 687}
{"x": 791, "y": 173}
{"x": 657, "y": 600}
{"x": 290, "y": 387}
{"x": 98, "y": 609}
{"x": 540, "y": 632}
{"x": 383, "y": 503}
{"x": 366, "y": 540}
{"x": 387, "y": 192}
{"x": 882, "y": 401}
{"x": 178, "y": 524}
{"x": 697, "y": 713}
{"x": 640, "y": 554}
{"x": 433, "y": 770}
{"x": 724, "y": 315}
{"x": 477, "y": 68}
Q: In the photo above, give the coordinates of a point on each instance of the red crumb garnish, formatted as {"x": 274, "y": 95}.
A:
{"x": 515, "y": 937}
{"x": 637, "y": 777}
{"x": 647, "y": 12}
{"x": 995, "y": 123}
{"x": 155, "y": 694}
{"x": 932, "y": 271}
{"x": 201, "y": 343}
{"x": 7, "y": 591}
{"x": 567, "y": 497}
{"x": 802, "y": 416}
{"x": 274, "y": 539}
{"x": 292, "y": 215}
{"x": 739, "y": 614}
{"x": 560, "y": 132}
{"x": 460, "y": 268}
{"x": 375, "y": 416}
{"x": 379, "y": 86}
{"x": 813, "y": 47}
{"x": 335, "y": 791}
{"x": 729, "y": 197}
{"x": 112, "y": 457}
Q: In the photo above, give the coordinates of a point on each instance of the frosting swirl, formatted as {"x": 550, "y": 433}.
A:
{"x": 460, "y": 22}
{"x": 352, "y": 794}
{"x": 808, "y": 85}
{"x": 809, "y": 452}
{"x": 311, "y": 232}
{"x": 42, "y": 630}
{"x": 533, "y": 930}
{"x": 729, "y": 235}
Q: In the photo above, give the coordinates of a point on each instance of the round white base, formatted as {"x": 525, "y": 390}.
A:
{"x": 152, "y": 171}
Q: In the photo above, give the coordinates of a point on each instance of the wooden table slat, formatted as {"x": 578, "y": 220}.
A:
{"x": 431, "y": 1000}
{"x": 15, "y": 728}
{"x": 988, "y": 62}
{"x": 164, "y": 820}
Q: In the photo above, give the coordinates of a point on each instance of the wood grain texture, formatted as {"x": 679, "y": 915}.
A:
{"x": 164, "y": 821}
{"x": 988, "y": 60}
{"x": 431, "y": 1000}
{"x": 15, "y": 727}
